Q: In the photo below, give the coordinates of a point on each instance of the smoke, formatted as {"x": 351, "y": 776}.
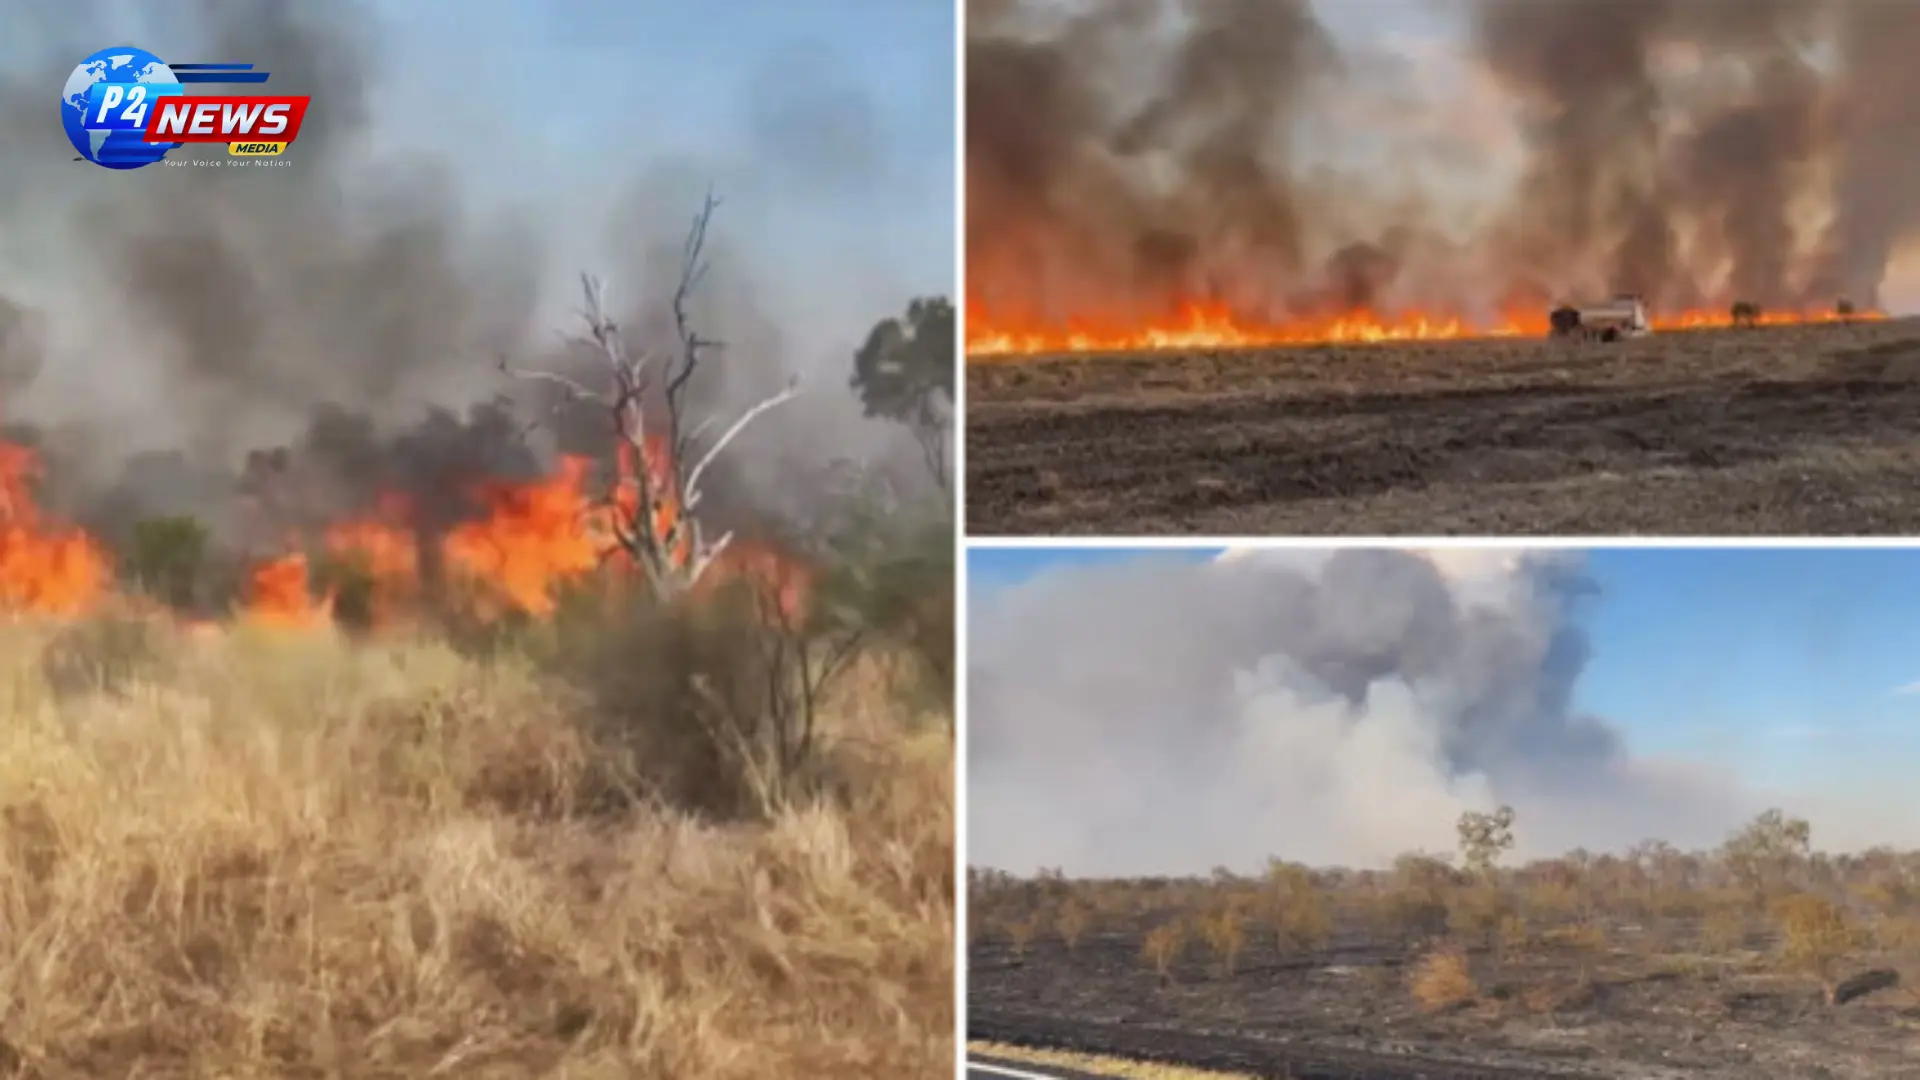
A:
{"x": 351, "y": 310}
{"x": 1158, "y": 716}
{"x": 1132, "y": 157}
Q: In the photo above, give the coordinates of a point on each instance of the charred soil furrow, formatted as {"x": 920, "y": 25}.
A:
{"x": 1816, "y": 434}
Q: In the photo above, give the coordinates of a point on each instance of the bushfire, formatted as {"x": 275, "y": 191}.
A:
{"x": 1203, "y": 325}
{"x": 526, "y": 543}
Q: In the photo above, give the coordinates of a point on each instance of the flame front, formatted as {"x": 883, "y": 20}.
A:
{"x": 44, "y": 569}
{"x": 280, "y": 593}
{"x": 1207, "y": 325}
{"x": 533, "y": 538}
{"x": 529, "y": 540}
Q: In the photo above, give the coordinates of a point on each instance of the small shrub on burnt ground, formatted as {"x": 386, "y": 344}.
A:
{"x": 1162, "y": 948}
{"x": 1816, "y": 937}
{"x": 1442, "y": 979}
{"x": 1075, "y": 918}
{"x": 1022, "y": 933}
{"x": 1225, "y": 932}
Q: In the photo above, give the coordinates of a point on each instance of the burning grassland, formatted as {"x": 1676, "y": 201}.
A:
{"x": 473, "y": 795}
{"x": 1165, "y": 175}
{"x": 434, "y": 753}
{"x": 1217, "y": 326}
{"x": 522, "y": 545}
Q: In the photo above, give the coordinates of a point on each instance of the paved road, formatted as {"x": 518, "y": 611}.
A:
{"x": 997, "y": 1070}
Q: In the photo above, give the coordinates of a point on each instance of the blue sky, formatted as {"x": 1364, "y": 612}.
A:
{"x": 1785, "y": 665}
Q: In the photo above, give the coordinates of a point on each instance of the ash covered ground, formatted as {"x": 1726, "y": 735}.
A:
{"x": 1771, "y": 431}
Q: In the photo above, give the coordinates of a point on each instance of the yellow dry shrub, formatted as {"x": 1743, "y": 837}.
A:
{"x": 1162, "y": 947}
{"x": 1072, "y": 923}
{"x": 1301, "y": 922}
{"x": 1476, "y": 912}
{"x": 1225, "y": 933}
{"x": 1553, "y": 901}
{"x": 1022, "y": 932}
{"x": 1442, "y": 979}
{"x": 1815, "y": 936}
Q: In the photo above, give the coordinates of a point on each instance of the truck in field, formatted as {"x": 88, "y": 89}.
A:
{"x": 1624, "y": 316}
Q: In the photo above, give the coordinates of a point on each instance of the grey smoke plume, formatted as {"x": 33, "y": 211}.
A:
{"x": 1159, "y": 716}
{"x": 352, "y": 309}
{"x": 1129, "y": 156}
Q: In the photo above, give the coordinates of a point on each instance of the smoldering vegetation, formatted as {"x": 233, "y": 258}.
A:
{"x": 170, "y": 344}
{"x": 1130, "y": 156}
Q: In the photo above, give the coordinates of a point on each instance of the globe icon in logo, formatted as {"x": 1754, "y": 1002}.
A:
{"x": 129, "y": 66}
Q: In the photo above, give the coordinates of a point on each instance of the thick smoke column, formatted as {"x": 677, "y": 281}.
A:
{"x": 1131, "y": 157}
{"x": 351, "y": 310}
{"x": 1159, "y": 716}
{"x": 1056, "y": 165}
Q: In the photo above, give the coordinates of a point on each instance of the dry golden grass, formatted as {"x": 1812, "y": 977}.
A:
{"x": 245, "y": 855}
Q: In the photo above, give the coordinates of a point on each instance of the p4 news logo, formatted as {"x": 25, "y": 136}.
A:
{"x": 133, "y": 108}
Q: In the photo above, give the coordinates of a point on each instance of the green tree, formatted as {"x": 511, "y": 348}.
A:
{"x": 168, "y": 556}
{"x": 1764, "y": 855}
{"x": 1483, "y": 837}
{"x": 905, "y": 373}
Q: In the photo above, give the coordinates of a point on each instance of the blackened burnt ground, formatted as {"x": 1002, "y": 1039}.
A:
{"x": 1776, "y": 431}
{"x": 1650, "y": 1006}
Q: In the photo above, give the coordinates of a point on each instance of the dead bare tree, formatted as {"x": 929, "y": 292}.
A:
{"x": 674, "y": 556}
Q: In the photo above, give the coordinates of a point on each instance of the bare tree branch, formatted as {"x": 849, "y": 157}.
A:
{"x": 652, "y": 519}
{"x": 693, "y": 479}
{"x": 574, "y": 389}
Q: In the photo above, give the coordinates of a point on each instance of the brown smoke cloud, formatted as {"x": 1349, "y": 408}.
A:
{"x": 1138, "y": 155}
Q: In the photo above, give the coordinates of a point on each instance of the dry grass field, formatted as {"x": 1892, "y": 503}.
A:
{"x": 1765, "y": 959}
{"x": 240, "y": 850}
{"x": 1772, "y": 431}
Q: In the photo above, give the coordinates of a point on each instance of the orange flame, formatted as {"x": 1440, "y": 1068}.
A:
{"x": 1208, "y": 325}
{"x": 535, "y": 537}
{"x": 279, "y": 593}
{"x": 44, "y": 569}
{"x": 386, "y": 549}
{"x": 531, "y": 539}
